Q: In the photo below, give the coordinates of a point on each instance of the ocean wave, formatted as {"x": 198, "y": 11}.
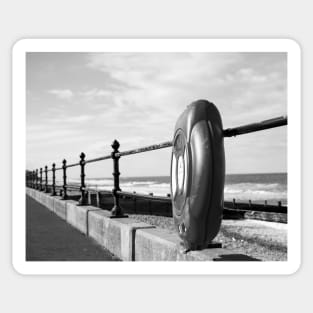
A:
{"x": 240, "y": 191}
{"x": 99, "y": 182}
{"x": 157, "y": 189}
{"x": 137, "y": 183}
{"x": 258, "y": 191}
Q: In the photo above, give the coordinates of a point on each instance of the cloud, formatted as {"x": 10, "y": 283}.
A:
{"x": 70, "y": 121}
{"x": 95, "y": 92}
{"x": 137, "y": 98}
{"x": 144, "y": 70}
{"x": 64, "y": 94}
{"x": 161, "y": 85}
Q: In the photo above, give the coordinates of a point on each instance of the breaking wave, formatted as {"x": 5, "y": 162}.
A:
{"x": 262, "y": 188}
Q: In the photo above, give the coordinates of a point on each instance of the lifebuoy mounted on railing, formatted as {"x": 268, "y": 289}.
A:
{"x": 198, "y": 174}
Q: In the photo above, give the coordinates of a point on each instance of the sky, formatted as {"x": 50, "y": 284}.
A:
{"x": 81, "y": 102}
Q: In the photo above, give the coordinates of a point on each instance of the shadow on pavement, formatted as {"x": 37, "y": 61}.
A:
{"x": 235, "y": 257}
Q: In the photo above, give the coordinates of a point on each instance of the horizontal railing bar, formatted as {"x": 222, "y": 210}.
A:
{"x": 162, "y": 145}
{"x": 99, "y": 159}
{"x": 229, "y": 132}
{"x": 72, "y": 165}
{"x": 254, "y": 127}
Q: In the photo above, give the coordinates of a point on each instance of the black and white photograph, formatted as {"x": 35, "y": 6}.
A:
{"x": 156, "y": 156}
{"x": 161, "y": 156}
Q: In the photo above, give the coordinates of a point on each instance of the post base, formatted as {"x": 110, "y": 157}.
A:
{"x": 82, "y": 202}
{"x": 118, "y": 216}
{"x": 117, "y": 212}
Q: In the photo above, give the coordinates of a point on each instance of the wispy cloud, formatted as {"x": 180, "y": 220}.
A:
{"x": 64, "y": 94}
{"x": 95, "y": 92}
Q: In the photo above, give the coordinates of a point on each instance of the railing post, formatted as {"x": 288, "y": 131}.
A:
{"x": 33, "y": 178}
{"x": 98, "y": 199}
{"x": 36, "y": 179}
{"x": 53, "y": 180}
{"x": 64, "y": 181}
{"x": 46, "y": 179}
{"x": 88, "y": 196}
{"x": 40, "y": 179}
{"x": 83, "y": 200}
{"x": 116, "y": 210}
{"x": 135, "y": 202}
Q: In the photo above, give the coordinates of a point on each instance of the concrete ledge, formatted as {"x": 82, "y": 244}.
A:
{"x": 77, "y": 215}
{"x": 59, "y": 207}
{"x": 43, "y": 198}
{"x": 40, "y": 195}
{"x": 96, "y": 224}
{"x": 48, "y": 201}
{"x": 126, "y": 238}
{"x": 156, "y": 245}
{"x": 119, "y": 236}
{"x": 31, "y": 192}
{"x": 160, "y": 245}
{"x": 115, "y": 234}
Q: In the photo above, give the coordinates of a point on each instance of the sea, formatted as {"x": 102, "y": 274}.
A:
{"x": 242, "y": 187}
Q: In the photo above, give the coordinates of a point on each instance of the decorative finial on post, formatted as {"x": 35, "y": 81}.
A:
{"x": 116, "y": 210}
{"x": 40, "y": 179}
{"x": 53, "y": 180}
{"x": 83, "y": 200}
{"x": 46, "y": 179}
{"x": 64, "y": 180}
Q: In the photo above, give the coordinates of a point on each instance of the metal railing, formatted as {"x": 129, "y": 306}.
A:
{"x": 34, "y": 178}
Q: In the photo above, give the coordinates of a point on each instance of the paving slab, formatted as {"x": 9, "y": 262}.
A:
{"x": 49, "y": 238}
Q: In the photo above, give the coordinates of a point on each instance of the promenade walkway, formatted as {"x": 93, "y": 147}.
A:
{"x": 49, "y": 238}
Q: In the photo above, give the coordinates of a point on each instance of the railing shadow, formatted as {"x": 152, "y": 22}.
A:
{"x": 235, "y": 257}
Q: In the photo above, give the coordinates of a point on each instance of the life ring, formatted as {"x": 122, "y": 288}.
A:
{"x": 198, "y": 174}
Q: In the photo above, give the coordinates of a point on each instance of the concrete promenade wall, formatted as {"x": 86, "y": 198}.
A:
{"x": 126, "y": 238}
